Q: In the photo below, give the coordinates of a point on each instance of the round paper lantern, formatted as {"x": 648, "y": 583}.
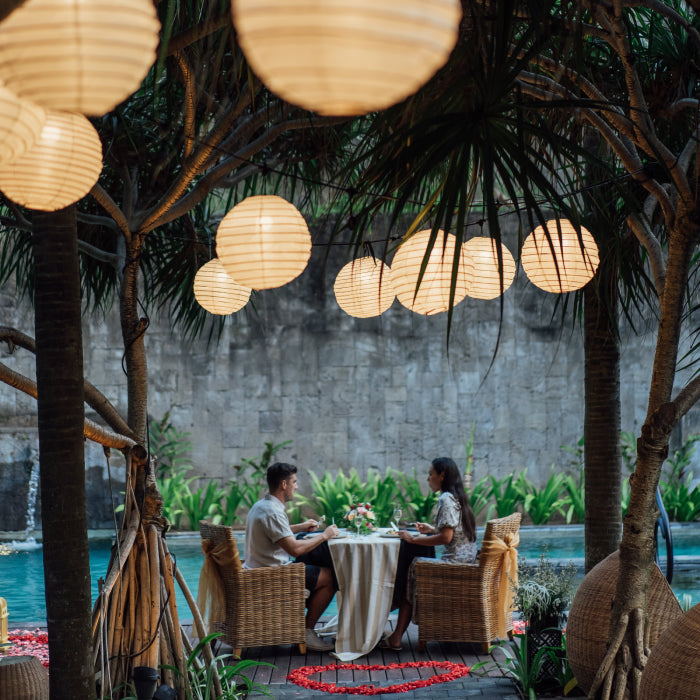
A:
{"x": 433, "y": 296}
{"x": 481, "y": 264}
{"x": 20, "y": 126}
{"x": 217, "y": 292}
{"x": 78, "y": 56}
{"x": 59, "y": 169}
{"x": 263, "y": 242}
{"x": 363, "y": 288}
{"x": 346, "y": 57}
{"x": 559, "y": 264}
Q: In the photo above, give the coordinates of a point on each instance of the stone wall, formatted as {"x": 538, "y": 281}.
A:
{"x": 349, "y": 393}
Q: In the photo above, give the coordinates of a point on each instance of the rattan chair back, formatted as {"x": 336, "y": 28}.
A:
{"x": 459, "y": 602}
{"x": 264, "y": 606}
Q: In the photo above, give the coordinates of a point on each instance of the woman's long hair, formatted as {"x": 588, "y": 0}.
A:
{"x": 452, "y": 482}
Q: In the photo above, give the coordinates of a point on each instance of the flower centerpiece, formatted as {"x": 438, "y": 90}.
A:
{"x": 361, "y": 517}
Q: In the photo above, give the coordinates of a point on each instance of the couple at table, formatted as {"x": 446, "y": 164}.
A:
{"x": 271, "y": 541}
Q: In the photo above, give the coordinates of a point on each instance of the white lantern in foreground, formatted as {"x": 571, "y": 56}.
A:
{"x": 59, "y": 169}
{"x": 363, "y": 288}
{"x": 217, "y": 292}
{"x": 433, "y": 296}
{"x": 481, "y": 263}
{"x": 263, "y": 242}
{"x": 346, "y": 57}
{"x": 562, "y": 263}
{"x": 76, "y": 55}
{"x": 20, "y": 126}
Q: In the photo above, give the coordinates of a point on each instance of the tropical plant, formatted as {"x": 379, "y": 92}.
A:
{"x": 542, "y": 504}
{"x": 544, "y": 591}
{"x": 251, "y": 474}
{"x": 414, "y": 500}
{"x": 331, "y": 496}
{"x": 508, "y": 493}
{"x": 559, "y": 662}
{"x": 479, "y": 496}
{"x": 170, "y": 446}
{"x": 576, "y": 498}
{"x": 203, "y": 503}
{"x": 381, "y": 492}
{"x": 679, "y": 490}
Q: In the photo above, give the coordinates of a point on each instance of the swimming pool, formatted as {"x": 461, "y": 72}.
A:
{"x": 26, "y": 603}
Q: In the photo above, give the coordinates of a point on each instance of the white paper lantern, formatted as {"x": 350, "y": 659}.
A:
{"x": 59, "y": 169}
{"x": 561, "y": 263}
{"x": 346, "y": 57}
{"x": 21, "y": 123}
{"x": 78, "y": 55}
{"x": 363, "y": 288}
{"x": 217, "y": 292}
{"x": 263, "y": 242}
{"x": 433, "y": 295}
{"x": 481, "y": 263}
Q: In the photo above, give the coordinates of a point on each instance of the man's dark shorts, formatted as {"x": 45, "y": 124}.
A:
{"x": 318, "y": 557}
{"x": 311, "y": 574}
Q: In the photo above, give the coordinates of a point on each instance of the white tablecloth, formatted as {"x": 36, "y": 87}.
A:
{"x": 366, "y": 568}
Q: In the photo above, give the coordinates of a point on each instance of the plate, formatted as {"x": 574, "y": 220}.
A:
{"x": 389, "y": 534}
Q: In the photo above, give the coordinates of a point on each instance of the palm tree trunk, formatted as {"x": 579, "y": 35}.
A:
{"x": 601, "y": 427}
{"x": 61, "y": 414}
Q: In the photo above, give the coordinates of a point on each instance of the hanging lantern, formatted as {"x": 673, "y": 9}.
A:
{"x": 217, "y": 292}
{"x": 481, "y": 264}
{"x": 59, "y": 169}
{"x": 433, "y": 296}
{"x": 263, "y": 242}
{"x": 363, "y": 288}
{"x": 562, "y": 263}
{"x": 78, "y": 56}
{"x": 20, "y": 126}
{"x": 346, "y": 57}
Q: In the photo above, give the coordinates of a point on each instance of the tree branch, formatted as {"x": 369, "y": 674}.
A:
{"x": 111, "y": 207}
{"x": 97, "y": 253}
{"x": 687, "y": 397}
{"x": 185, "y": 39}
{"x": 644, "y": 235}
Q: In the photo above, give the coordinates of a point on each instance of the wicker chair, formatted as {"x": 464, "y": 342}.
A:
{"x": 458, "y": 602}
{"x": 264, "y": 606}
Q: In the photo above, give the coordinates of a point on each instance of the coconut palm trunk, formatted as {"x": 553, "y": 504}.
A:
{"x": 61, "y": 417}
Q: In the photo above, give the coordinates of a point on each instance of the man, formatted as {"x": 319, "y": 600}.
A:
{"x": 270, "y": 541}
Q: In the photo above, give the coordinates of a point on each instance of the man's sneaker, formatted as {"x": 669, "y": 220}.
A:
{"x": 316, "y": 643}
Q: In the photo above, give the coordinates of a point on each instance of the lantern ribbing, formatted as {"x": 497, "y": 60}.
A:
{"x": 346, "y": 57}
{"x": 481, "y": 264}
{"x": 217, "y": 292}
{"x": 263, "y": 242}
{"x": 21, "y": 123}
{"x": 363, "y": 288}
{"x": 433, "y": 296}
{"x": 560, "y": 263}
{"x": 78, "y": 56}
{"x": 59, "y": 169}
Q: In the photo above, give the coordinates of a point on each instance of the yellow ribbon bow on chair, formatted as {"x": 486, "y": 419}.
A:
{"x": 211, "y": 599}
{"x": 507, "y": 549}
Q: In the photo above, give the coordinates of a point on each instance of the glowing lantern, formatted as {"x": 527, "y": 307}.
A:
{"x": 263, "y": 242}
{"x": 346, "y": 57}
{"x": 20, "y": 126}
{"x": 59, "y": 169}
{"x": 433, "y": 296}
{"x": 76, "y": 55}
{"x": 561, "y": 263}
{"x": 363, "y": 288}
{"x": 481, "y": 263}
{"x": 217, "y": 292}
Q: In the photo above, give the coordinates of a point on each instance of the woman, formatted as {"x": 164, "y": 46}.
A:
{"x": 455, "y": 528}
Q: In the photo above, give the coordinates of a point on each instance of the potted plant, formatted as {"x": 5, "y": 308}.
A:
{"x": 543, "y": 596}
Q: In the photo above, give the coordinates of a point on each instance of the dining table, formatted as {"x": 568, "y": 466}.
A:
{"x": 365, "y": 566}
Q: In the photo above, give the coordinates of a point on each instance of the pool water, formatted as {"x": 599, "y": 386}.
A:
{"x": 26, "y": 607}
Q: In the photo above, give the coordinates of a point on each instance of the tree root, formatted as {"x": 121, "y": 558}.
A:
{"x": 624, "y": 660}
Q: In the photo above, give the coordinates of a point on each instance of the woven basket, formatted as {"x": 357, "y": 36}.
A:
{"x": 23, "y": 678}
{"x": 673, "y": 668}
{"x": 588, "y": 628}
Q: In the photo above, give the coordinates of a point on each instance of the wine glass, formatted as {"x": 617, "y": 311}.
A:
{"x": 397, "y": 516}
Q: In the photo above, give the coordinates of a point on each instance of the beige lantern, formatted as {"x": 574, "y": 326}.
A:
{"x": 217, "y": 292}
{"x": 363, "y": 288}
{"x": 346, "y": 57}
{"x": 433, "y": 296}
{"x": 78, "y": 56}
{"x": 59, "y": 169}
{"x": 263, "y": 242}
{"x": 20, "y": 126}
{"x": 562, "y": 263}
{"x": 481, "y": 264}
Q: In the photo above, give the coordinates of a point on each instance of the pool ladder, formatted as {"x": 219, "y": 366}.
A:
{"x": 665, "y": 527}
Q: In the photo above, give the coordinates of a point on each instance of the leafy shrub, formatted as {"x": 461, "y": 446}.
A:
{"x": 542, "y": 504}
{"x": 508, "y": 493}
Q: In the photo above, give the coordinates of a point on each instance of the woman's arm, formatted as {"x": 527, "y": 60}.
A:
{"x": 443, "y": 536}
